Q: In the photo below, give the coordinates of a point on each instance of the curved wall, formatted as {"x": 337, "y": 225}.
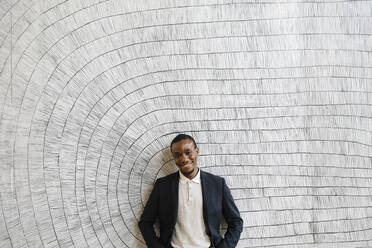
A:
{"x": 278, "y": 95}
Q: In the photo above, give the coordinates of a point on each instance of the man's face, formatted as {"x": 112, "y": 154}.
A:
{"x": 185, "y": 154}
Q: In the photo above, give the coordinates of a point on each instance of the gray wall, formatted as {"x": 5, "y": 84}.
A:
{"x": 277, "y": 94}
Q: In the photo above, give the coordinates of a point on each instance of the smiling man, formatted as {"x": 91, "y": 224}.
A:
{"x": 189, "y": 205}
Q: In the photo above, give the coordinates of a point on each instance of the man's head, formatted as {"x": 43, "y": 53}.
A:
{"x": 185, "y": 153}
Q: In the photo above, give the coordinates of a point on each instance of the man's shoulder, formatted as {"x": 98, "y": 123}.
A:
{"x": 168, "y": 178}
{"x": 210, "y": 176}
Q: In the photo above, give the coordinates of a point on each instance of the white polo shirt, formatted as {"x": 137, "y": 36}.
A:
{"x": 190, "y": 231}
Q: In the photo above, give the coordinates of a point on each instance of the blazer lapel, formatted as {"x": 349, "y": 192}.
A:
{"x": 174, "y": 197}
{"x": 205, "y": 186}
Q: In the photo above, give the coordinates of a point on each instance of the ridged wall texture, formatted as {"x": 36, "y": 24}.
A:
{"x": 278, "y": 95}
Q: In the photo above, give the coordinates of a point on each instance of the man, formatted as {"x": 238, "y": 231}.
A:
{"x": 189, "y": 205}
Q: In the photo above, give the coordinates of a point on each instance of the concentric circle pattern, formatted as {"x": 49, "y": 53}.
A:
{"x": 278, "y": 94}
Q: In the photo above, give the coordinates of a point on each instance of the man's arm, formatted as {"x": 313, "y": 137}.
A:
{"x": 148, "y": 218}
{"x": 233, "y": 219}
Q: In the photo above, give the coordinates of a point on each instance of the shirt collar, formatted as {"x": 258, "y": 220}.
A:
{"x": 184, "y": 179}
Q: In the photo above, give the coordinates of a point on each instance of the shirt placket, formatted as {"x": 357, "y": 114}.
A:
{"x": 188, "y": 192}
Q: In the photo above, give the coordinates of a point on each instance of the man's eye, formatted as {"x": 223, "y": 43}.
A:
{"x": 187, "y": 153}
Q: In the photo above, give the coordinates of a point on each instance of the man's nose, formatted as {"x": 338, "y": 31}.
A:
{"x": 184, "y": 158}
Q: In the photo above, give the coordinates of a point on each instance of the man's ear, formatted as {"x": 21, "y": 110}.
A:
{"x": 197, "y": 150}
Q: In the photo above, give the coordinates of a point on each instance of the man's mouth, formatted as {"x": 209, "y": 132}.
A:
{"x": 183, "y": 165}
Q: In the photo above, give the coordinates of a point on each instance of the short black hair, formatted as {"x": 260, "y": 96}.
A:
{"x": 182, "y": 136}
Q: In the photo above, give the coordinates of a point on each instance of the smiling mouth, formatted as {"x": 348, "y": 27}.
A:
{"x": 182, "y": 165}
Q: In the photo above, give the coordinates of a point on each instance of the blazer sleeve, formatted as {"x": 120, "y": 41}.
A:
{"x": 233, "y": 219}
{"x": 148, "y": 218}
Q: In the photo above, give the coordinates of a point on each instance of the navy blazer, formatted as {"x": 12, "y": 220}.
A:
{"x": 217, "y": 202}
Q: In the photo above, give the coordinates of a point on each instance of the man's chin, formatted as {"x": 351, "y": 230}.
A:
{"x": 186, "y": 173}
